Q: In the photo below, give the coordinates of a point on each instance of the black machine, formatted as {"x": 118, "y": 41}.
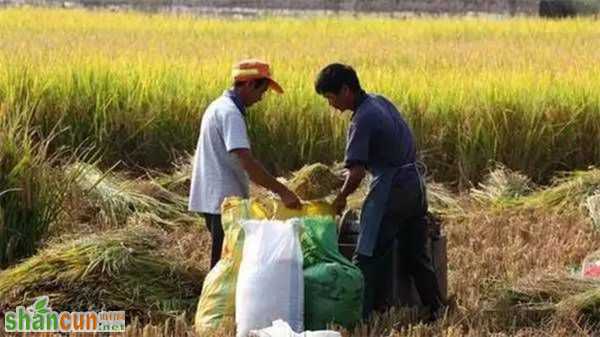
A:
{"x": 402, "y": 288}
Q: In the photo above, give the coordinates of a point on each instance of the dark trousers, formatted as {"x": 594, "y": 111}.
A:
{"x": 404, "y": 222}
{"x": 213, "y": 223}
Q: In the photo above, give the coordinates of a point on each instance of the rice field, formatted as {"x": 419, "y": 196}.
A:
{"x": 523, "y": 92}
{"x": 512, "y": 263}
{"x": 100, "y": 111}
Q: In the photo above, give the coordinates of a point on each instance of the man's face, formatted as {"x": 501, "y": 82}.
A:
{"x": 341, "y": 101}
{"x": 255, "y": 94}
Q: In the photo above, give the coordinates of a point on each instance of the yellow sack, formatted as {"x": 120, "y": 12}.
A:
{"x": 217, "y": 301}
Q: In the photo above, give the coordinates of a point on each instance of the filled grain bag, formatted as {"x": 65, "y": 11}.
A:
{"x": 270, "y": 283}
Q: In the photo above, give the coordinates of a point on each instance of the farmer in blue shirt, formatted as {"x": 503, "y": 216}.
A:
{"x": 380, "y": 142}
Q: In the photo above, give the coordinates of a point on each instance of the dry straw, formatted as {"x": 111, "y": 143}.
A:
{"x": 125, "y": 269}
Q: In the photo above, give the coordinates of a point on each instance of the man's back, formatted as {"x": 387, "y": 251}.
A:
{"x": 389, "y": 140}
{"x": 217, "y": 172}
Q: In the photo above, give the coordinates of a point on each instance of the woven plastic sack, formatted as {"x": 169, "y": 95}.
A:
{"x": 270, "y": 283}
{"x": 333, "y": 286}
{"x": 217, "y": 301}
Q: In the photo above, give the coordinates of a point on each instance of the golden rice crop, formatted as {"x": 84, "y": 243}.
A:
{"x": 523, "y": 91}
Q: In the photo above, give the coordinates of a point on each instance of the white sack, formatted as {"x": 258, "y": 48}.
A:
{"x": 270, "y": 281}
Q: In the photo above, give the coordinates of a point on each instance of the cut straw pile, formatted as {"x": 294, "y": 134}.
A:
{"x": 125, "y": 269}
{"x": 593, "y": 206}
{"x": 116, "y": 198}
{"x": 441, "y": 200}
{"x": 179, "y": 180}
{"x": 572, "y": 191}
{"x": 314, "y": 181}
{"x": 502, "y": 185}
{"x": 543, "y": 298}
{"x": 568, "y": 192}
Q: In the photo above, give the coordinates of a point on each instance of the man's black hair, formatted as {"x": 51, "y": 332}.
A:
{"x": 259, "y": 82}
{"x": 334, "y": 76}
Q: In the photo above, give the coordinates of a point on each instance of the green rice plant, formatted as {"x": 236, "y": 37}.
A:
{"x": 124, "y": 269}
{"x": 32, "y": 188}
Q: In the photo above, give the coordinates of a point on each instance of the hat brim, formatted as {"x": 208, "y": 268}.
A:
{"x": 275, "y": 86}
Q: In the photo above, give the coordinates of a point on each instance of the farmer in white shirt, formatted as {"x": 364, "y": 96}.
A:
{"x": 223, "y": 161}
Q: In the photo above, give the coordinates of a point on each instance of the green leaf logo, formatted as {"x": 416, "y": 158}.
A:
{"x": 41, "y": 305}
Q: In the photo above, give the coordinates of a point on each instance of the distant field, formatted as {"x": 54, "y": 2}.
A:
{"x": 524, "y": 91}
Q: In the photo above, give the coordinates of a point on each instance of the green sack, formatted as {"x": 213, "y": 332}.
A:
{"x": 333, "y": 286}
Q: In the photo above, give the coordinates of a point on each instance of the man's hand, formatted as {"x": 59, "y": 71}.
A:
{"x": 339, "y": 204}
{"x": 260, "y": 176}
{"x": 356, "y": 173}
{"x": 290, "y": 199}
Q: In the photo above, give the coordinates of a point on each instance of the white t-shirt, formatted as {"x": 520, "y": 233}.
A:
{"x": 217, "y": 172}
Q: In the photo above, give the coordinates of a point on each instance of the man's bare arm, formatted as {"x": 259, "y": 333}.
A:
{"x": 260, "y": 176}
{"x": 356, "y": 174}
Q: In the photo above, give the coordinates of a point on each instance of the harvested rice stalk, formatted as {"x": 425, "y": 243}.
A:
{"x": 502, "y": 186}
{"x": 441, "y": 200}
{"x": 548, "y": 289}
{"x": 585, "y": 305}
{"x": 356, "y": 199}
{"x": 593, "y": 206}
{"x": 176, "y": 210}
{"x": 315, "y": 181}
{"x": 125, "y": 269}
{"x": 523, "y": 315}
{"x": 567, "y": 193}
{"x": 542, "y": 298}
{"x": 179, "y": 180}
{"x": 117, "y": 198}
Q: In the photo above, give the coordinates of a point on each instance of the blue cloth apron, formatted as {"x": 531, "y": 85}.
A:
{"x": 375, "y": 204}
